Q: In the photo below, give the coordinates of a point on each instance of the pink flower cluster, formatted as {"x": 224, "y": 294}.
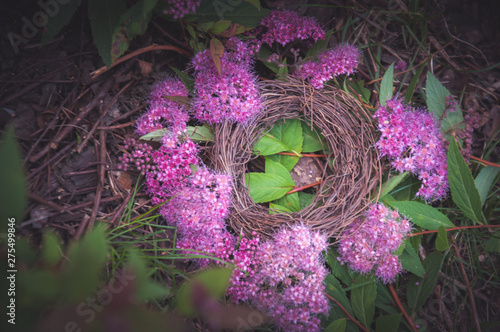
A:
{"x": 370, "y": 244}
{"x": 286, "y": 26}
{"x": 232, "y": 95}
{"x": 341, "y": 60}
{"x": 180, "y": 8}
{"x": 173, "y": 162}
{"x": 413, "y": 141}
{"x": 287, "y": 282}
{"x": 139, "y": 156}
{"x": 164, "y": 112}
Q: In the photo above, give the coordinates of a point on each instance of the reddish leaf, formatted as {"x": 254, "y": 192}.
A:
{"x": 217, "y": 51}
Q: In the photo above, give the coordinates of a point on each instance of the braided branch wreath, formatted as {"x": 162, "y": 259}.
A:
{"x": 343, "y": 194}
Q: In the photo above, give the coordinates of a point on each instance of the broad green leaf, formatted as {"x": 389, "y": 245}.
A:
{"x": 104, "y": 18}
{"x": 290, "y": 133}
{"x": 185, "y": 78}
{"x": 12, "y": 180}
{"x": 393, "y": 182}
{"x": 156, "y": 135}
{"x": 436, "y": 95}
{"x": 51, "y": 248}
{"x": 220, "y": 26}
{"x": 422, "y": 215}
{"x": 363, "y": 300}
{"x": 60, "y": 15}
{"x": 264, "y": 187}
{"x": 335, "y": 290}
{"x": 86, "y": 257}
{"x": 313, "y": 141}
{"x": 273, "y": 167}
{"x": 305, "y": 199}
{"x": 485, "y": 180}
{"x": 493, "y": 244}
{"x": 462, "y": 186}
{"x": 268, "y": 145}
{"x": 243, "y": 13}
{"x": 419, "y": 289}
{"x": 276, "y": 208}
{"x": 256, "y": 3}
{"x": 337, "y": 325}
{"x": 411, "y": 262}
{"x": 214, "y": 281}
{"x": 386, "y": 85}
{"x": 442, "y": 239}
{"x": 200, "y": 133}
{"x": 320, "y": 45}
{"x": 288, "y": 161}
{"x": 338, "y": 270}
{"x": 388, "y": 323}
{"x": 291, "y": 202}
{"x": 264, "y": 54}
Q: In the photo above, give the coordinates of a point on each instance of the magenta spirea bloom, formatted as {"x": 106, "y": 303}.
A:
{"x": 233, "y": 95}
{"x": 370, "y": 243}
{"x": 287, "y": 279}
{"x": 286, "y": 26}
{"x": 181, "y": 8}
{"x": 412, "y": 140}
{"x": 172, "y": 166}
{"x": 138, "y": 157}
{"x": 338, "y": 61}
{"x": 164, "y": 112}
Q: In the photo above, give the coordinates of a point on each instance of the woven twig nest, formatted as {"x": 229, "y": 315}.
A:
{"x": 346, "y": 186}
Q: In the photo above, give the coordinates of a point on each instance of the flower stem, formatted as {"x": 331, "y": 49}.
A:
{"x": 296, "y": 189}
{"x": 401, "y": 308}
{"x": 454, "y": 229}
{"x": 348, "y": 314}
{"x": 489, "y": 163}
{"x": 303, "y": 154}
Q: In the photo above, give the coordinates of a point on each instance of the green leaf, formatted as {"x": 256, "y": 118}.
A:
{"x": 272, "y": 167}
{"x": 339, "y": 271}
{"x": 276, "y": 208}
{"x": 419, "y": 289}
{"x": 12, "y": 181}
{"x": 337, "y": 325}
{"x": 185, "y": 78}
{"x": 200, "y": 133}
{"x": 493, "y": 244}
{"x": 285, "y": 136}
{"x": 291, "y": 202}
{"x": 80, "y": 278}
{"x": 436, "y": 95}
{"x": 214, "y": 281}
{"x": 156, "y": 135}
{"x": 392, "y": 183}
{"x": 413, "y": 82}
{"x": 104, "y": 18}
{"x": 387, "y": 85}
{"x": 411, "y": 262}
{"x": 485, "y": 180}
{"x": 60, "y": 15}
{"x": 335, "y": 290}
{"x": 363, "y": 300}
{"x": 462, "y": 186}
{"x": 220, "y": 26}
{"x": 313, "y": 141}
{"x": 305, "y": 199}
{"x": 320, "y": 45}
{"x": 288, "y": 161}
{"x": 422, "y": 215}
{"x": 146, "y": 290}
{"x": 264, "y": 187}
{"x": 243, "y": 13}
{"x": 51, "y": 248}
{"x": 359, "y": 88}
{"x": 442, "y": 239}
{"x": 256, "y": 3}
{"x": 388, "y": 323}
{"x": 264, "y": 54}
